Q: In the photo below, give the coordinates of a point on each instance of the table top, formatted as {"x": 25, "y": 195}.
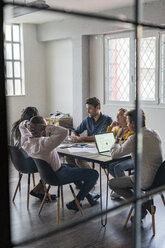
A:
{"x": 90, "y": 157}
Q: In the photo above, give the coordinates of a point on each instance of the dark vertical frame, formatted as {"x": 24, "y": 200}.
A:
{"x": 138, "y": 142}
{"x": 5, "y": 240}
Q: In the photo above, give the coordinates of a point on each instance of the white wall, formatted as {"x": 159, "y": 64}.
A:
{"x": 59, "y": 89}
{"x": 34, "y": 65}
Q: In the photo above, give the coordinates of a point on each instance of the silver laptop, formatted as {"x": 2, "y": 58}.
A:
{"x": 104, "y": 142}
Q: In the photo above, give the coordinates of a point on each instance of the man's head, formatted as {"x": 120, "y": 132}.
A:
{"x": 131, "y": 119}
{"x": 37, "y": 126}
{"x": 93, "y": 106}
{"x": 121, "y": 118}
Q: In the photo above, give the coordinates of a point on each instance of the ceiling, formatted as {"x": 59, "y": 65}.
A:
{"x": 93, "y": 6}
{"x": 89, "y": 5}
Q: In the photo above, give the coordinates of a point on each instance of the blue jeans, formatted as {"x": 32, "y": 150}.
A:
{"x": 117, "y": 168}
{"x": 84, "y": 178}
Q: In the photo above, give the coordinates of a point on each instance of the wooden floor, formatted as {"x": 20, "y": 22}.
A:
{"x": 26, "y": 224}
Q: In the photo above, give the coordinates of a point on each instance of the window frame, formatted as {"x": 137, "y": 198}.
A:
{"x": 132, "y": 83}
{"x": 161, "y": 33}
{"x": 13, "y": 60}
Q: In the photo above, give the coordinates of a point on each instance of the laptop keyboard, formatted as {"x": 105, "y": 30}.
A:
{"x": 106, "y": 153}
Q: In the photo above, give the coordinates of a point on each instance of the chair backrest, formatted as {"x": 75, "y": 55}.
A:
{"x": 160, "y": 177}
{"x": 47, "y": 174}
{"x": 20, "y": 162}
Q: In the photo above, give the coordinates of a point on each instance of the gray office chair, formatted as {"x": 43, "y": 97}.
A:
{"x": 158, "y": 181}
{"x": 50, "y": 177}
{"x": 24, "y": 166}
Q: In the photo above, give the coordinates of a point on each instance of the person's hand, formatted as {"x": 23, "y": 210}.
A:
{"x": 75, "y": 138}
{"x": 27, "y": 124}
{"x": 125, "y": 130}
{"x": 114, "y": 124}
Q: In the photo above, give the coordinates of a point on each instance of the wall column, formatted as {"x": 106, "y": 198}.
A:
{"x": 80, "y": 77}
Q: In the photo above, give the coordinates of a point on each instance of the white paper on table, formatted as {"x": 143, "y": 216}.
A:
{"x": 82, "y": 149}
{"x": 62, "y": 145}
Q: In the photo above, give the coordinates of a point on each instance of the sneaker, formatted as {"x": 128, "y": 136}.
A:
{"x": 143, "y": 215}
{"x": 92, "y": 198}
{"x": 147, "y": 206}
{"x": 53, "y": 198}
{"x": 41, "y": 196}
{"x": 72, "y": 205}
{"x": 115, "y": 196}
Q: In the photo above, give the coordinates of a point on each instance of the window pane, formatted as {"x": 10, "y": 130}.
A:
{"x": 17, "y": 69}
{"x": 8, "y": 32}
{"x": 9, "y": 87}
{"x": 8, "y": 51}
{"x": 119, "y": 69}
{"x": 162, "y": 70}
{"x": 13, "y": 60}
{"x": 9, "y": 70}
{"x": 18, "y": 87}
{"x": 16, "y": 51}
{"x": 15, "y": 33}
{"x": 147, "y": 68}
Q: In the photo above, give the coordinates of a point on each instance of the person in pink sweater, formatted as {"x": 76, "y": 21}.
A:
{"x": 40, "y": 141}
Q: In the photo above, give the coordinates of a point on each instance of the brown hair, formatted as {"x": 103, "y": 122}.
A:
{"x": 123, "y": 110}
{"x": 132, "y": 116}
{"x": 37, "y": 125}
{"x": 27, "y": 114}
{"x": 93, "y": 101}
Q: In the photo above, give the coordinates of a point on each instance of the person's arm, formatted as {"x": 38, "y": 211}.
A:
{"x": 126, "y": 148}
{"x": 25, "y": 133}
{"x": 56, "y": 136}
{"x": 24, "y": 130}
{"x": 81, "y": 128}
{"x": 110, "y": 127}
{"x": 83, "y": 138}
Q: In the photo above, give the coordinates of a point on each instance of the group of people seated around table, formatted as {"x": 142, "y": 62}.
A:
{"x": 39, "y": 140}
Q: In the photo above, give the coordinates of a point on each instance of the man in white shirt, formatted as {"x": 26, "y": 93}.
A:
{"x": 151, "y": 159}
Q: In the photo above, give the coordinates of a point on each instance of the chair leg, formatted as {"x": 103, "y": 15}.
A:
{"x": 75, "y": 198}
{"x": 28, "y": 191}
{"x": 33, "y": 177}
{"x": 163, "y": 200}
{"x": 58, "y": 205}
{"x": 62, "y": 197}
{"x": 20, "y": 182}
{"x": 44, "y": 199}
{"x": 18, "y": 185}
{"x": 153, "y": 218}
{"x": 128, "y": 217}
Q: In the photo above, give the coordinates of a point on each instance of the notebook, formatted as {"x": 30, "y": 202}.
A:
{"x": 104, "y": 142}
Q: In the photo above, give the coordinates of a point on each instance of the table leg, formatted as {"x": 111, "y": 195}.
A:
{"x": 103, "y": 217}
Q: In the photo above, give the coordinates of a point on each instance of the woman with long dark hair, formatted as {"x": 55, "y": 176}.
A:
{"x": 27, "y": 114}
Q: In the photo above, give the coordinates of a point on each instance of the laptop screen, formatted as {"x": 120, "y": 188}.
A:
{"x": 104, "y": 141}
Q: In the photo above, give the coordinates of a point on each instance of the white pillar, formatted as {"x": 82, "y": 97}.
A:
{"x": 80, "y": 77}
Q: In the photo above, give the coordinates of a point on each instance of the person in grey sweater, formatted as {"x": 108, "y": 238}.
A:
{"x": 151, "y": 159}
